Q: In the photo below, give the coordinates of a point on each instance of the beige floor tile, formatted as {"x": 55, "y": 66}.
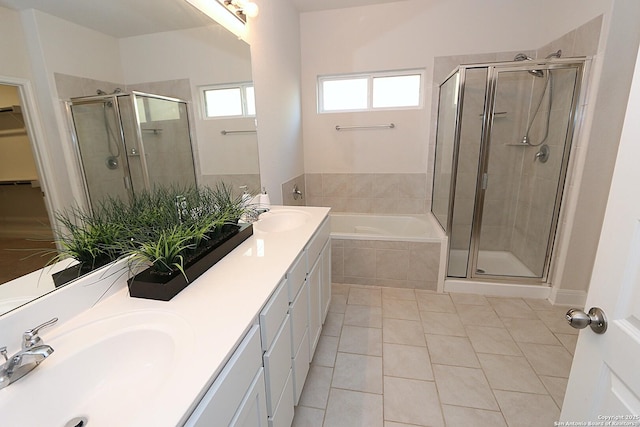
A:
{"x": 394, "y": 424}
{"x": 326, "y": 351}
{"x": 556, "y": 387}
{"x": 556, "y": 321}
{"x": 399, "y": 331}
{"x": 411, "y": 401}
{"x": 469, "y": 299}
{"x": 511, "y": 307}
{"x": 482, "y": 315}
{"x": 551, "y": 360}
{"x": 539, "y": 304}
{"x": 511, "y": 373}
{"x": 458, "y": 416}
{"x": 448, "y": 350}
{"x": 355, "y": 339}
{"x": 350, "y": 409}
{"x": 568, "y": 341}
{"x": 399, "y": 293}
{"x": 307, "y": 417}
{"x": 338, "y": 303}
{"x": 363, "y": 315}
{"x": 492, "y": 340}
{"x": 333, "y": 324}
{"x": 406, "y": 361}
{"x": 527, "y": 410}
{"x": 358, "y": 372}
{"x": 442, "y": 324}
{"x": 431, "y": 301}
{"x": 530, "y": 331}
{"x": 339, "y": 289}
{"x": 400, "y": 309}
{"x": 316, "y": 388}
{"x": 464, "y": 387}
{"x": 365, "y": 296}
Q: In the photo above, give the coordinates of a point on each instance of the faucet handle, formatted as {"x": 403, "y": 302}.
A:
{"x": 3, "y": 353}
{"x": 31, "y": 338}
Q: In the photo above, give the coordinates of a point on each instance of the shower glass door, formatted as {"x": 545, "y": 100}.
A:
{"x": 101, "y": 151}
{"x": 523, "y": 166}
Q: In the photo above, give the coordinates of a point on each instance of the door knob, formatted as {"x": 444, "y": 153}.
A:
{"x": 594, "y": 318}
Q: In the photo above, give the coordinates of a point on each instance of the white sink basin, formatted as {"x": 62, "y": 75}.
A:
{"x": 90, "y": 374}
{"x": 281, "y": 220}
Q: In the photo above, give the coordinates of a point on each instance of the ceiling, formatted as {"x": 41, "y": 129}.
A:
{"x": 120, "y": 18}
{"x": 127, "y": 18}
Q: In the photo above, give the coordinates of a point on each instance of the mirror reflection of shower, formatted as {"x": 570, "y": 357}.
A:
{"x": 144, "y": 140}
{"x": 546, "y": 90}
{"x": 113, "y": 143}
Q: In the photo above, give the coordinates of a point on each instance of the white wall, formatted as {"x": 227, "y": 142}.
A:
{"x": 13, "y": 46}
{"x": 275, "y": 50}
{"x": 410, "y": 34}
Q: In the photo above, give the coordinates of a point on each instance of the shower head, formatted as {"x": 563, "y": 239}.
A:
{"x": 524, "y": 57}
{"x": 557, "y": 54}
{"x": 100, "y": 92}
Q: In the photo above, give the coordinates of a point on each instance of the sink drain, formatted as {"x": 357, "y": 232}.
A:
{"x": 77, "y": 422}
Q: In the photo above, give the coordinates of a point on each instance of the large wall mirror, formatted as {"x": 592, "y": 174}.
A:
{"x": 166, "y": 48}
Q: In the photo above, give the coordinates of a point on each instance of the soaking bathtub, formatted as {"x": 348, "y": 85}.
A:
{"x": 405, "y": 251}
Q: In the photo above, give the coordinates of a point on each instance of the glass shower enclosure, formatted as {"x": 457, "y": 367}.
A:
{"x": 502, "y": 148}
{"x": 128, "y": 142}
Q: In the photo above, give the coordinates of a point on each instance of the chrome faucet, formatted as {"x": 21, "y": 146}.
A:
{"x": 32, "y": 354}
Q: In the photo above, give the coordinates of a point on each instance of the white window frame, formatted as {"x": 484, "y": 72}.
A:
{"x": 243, "y": 99}
{"x": 370, "y": 77}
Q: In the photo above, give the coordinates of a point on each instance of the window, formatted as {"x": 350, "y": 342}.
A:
{"x": 229, "y": 100}
{"x": 373, "y": 91}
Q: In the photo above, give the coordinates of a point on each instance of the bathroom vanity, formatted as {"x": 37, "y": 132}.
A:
{"x": 233, "y": 348}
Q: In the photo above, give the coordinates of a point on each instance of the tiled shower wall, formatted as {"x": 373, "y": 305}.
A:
{"x": 392, "y": 193}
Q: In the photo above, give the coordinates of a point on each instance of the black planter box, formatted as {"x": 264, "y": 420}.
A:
{"x": 77, "y": 270}
{"x": 164, "y": 287}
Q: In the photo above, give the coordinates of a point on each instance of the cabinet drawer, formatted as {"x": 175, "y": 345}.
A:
{"x": 223, "y": 398}
{"x": 272, "y": 315}
{"x": 317, "y": 242}
{"x": 299, "y": 317}
{"x": 296, "y": 276}
{"x": 283, "y": 415}
{"x": 277, "y": 364}
{"x": 253, "y": 409}
{"x": 300, "y": 368}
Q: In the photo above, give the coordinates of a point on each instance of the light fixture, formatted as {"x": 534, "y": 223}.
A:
{"x": 231, "y": 14}
{"x": 241, "y": 8}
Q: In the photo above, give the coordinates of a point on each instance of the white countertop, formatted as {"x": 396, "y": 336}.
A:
{"x": 219, "y": 307}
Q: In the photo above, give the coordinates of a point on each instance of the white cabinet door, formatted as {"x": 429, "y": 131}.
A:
{"x": 315, "y": 316}
{"x": 325, "y": 281}
{"x": 604, "y": 385}
{"x": 253, "y": 409}
{"x": 221, "y": 402}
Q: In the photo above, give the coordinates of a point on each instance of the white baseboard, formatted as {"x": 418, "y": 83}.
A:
{"x": 498, "y": 289}
{"x": 568, "y": 297}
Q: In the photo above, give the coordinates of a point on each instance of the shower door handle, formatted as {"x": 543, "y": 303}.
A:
{"x": 127, "y": 182}
{"x": 595, "y": 318}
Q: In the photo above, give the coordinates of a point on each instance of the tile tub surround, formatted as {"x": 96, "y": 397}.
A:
{"x": 385, "y": 263}
{"x": 389, "y": 193}
{"x": 438, "y": 365}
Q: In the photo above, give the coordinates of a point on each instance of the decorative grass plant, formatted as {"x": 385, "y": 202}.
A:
{"x": 164, "y": 229}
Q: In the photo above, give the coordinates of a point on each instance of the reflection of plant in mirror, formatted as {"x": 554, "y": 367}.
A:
{"x": 90, "y": 238}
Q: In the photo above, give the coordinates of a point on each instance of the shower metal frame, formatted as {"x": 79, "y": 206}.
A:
{"x": 138, "y": 131}
{"x": 493, "y": 70}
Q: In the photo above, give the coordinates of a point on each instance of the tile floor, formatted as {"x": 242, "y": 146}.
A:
{"x": 391, "y": 357}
